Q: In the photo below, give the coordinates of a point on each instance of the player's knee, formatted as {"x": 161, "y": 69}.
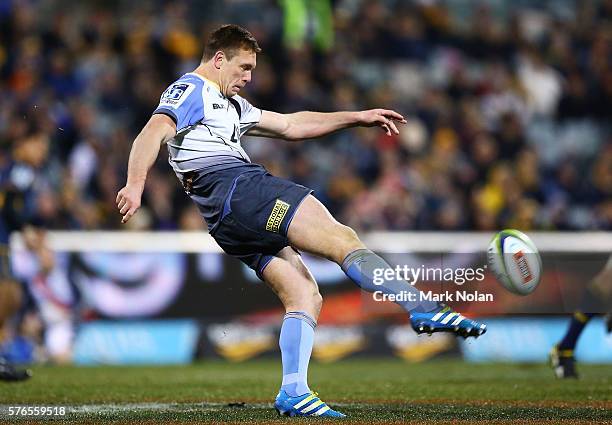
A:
{"x": 313, "y": 300}
{"x": 350, "y": 235}
{"x": 309, "y": 302}
{"x": 346, "y": 242}
{"x": 315, "y": 303}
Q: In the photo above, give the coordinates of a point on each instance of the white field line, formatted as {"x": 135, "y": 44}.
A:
{"x": 174, "y": 407}
{"x": 109, "y": 408}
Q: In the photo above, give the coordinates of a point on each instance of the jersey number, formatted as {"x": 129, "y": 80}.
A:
{"x": 234, "y": 139}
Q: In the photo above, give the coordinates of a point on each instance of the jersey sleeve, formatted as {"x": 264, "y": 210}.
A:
{"x": 182, "y": 102}
{"x": 249, "y": 114}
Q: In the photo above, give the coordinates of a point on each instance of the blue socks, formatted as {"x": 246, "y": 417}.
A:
{"x": 296, "y": 340}
{"x": 297, "y": 331}
{"x": 359, "y": 266}
{"x": 575, "y": 328}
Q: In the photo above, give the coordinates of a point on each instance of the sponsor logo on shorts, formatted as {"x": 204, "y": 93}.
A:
{"x": 277, "y": 215}
{"x": 521, "y": 262}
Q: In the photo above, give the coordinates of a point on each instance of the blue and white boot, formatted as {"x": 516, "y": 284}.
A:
{"x": 444, "y": 319}
{"x": 308, "y": 404}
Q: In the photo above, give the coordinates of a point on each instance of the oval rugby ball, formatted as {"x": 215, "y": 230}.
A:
{"x": 515, "y": 261}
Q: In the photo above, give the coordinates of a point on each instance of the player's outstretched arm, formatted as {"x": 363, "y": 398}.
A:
{"x": 308, "y": 125}
{"x": 145, "y": 149}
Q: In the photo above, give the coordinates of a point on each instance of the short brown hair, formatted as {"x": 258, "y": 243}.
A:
{"x": 229, "y": 39}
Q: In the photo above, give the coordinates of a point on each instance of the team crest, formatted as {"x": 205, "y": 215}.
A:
{"x": 176, "y": 94}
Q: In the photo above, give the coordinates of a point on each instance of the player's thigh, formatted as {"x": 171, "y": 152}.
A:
{"x": 292, "y": 282}
{"x": 313, "y": 229}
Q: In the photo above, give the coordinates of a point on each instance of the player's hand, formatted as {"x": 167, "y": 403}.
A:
{"x": 128, "y": 202}
{"x": 384, "y": 118}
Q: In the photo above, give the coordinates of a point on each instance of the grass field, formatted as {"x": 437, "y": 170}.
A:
{"x": 369, "y": 391}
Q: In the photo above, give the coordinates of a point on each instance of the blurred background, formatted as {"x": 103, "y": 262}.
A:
{"x": 508, "y": 106}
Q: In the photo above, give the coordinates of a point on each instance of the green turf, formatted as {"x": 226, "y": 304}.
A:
{"x": 368, "y": 390}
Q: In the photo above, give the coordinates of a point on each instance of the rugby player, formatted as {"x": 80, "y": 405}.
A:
{"x": 598, "y": 296}
{"x": 261, "y": 219}
{"x": 18, "y": 191}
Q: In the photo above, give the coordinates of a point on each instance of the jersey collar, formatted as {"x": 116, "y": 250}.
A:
{"x": 212, "y": 83}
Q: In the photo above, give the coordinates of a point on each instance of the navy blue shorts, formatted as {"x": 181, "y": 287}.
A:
{"x": 248, "y": 211}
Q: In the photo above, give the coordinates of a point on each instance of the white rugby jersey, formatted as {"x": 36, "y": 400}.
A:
{"x": 209, "y": 125}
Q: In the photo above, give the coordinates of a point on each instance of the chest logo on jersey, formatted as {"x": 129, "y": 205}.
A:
{"x": 176, "y": 94}
{"x": 277, "y": 215}
{"x": 217, "y": 106}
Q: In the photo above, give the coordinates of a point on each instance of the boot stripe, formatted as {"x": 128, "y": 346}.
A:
{"x": 448, "y": 318}
{"x": 312, "y": 407}
{"x": 304, "y": 402}
{"x": 458, "y": 320}
{"x": 438, "y": 315}
{"x": 321, "y": 411}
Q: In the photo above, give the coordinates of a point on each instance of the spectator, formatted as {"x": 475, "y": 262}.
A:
{"x": 509, "y": 110}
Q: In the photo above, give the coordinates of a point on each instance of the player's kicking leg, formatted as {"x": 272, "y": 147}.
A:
{"x": 314, "y": 230}
{"x": 289, "y": 278}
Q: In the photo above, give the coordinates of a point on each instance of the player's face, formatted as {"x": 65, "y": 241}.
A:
{"x": 236, "y": 73}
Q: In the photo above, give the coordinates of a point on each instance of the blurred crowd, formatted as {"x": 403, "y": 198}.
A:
{"x": 508, "y": 106}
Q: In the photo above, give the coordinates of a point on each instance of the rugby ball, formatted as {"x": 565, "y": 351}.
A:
{"x": 515, "y": 261}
